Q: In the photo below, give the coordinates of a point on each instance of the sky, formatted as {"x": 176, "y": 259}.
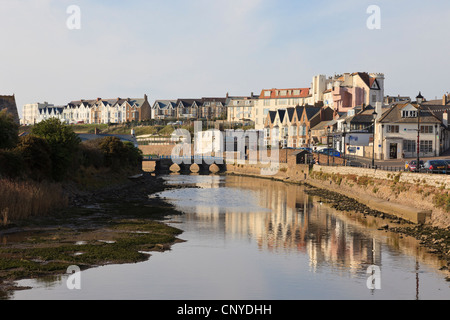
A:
{"x": 205, "y": 48}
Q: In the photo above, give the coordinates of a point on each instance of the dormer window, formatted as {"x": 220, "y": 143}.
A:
{"x": 409, "y": 114}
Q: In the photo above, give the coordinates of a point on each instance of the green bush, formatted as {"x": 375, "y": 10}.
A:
{"x": 11, "y": 164}
{"x": 120, "y": 155}
{"x": 9, "y": 131}
{"x": 35, "y": 152}
{"x": 63, "y": 144}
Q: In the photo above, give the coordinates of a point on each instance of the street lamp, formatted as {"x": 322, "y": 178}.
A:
{"x": 374, "y": 119}
{"x": 344, "y": 145}
{"x": 419, "y": 100}
{"x": 328, "y": 145}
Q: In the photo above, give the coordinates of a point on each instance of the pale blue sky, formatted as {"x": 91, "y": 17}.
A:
{"x": 195, "y": 48}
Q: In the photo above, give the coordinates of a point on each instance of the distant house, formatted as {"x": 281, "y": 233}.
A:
{"x": 241, "y": 109}
{"x": 188, "y": 108}
{"x": 163, "y": 109}
{"x": 213, "y": 108}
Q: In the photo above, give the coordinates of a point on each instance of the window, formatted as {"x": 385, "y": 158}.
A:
{"x": 283, "y": 102}
{"x": 426, "y": 146}
{"x": 267, "y": 94}
{"x": 409, "y": 146}
{"x": 426, "y": 129}
{"x": 409, "y": 114}
{"x": 266, "y": 103}
{"x": 392, "y": 129}
{"x": 374, "y": 98}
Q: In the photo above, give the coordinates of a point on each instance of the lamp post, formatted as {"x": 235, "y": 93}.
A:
{"x": 328, "y": 145}
{"x": 374, "y": 117}
{"x": 344, "y": 145}
{"x": 419, "y": 100}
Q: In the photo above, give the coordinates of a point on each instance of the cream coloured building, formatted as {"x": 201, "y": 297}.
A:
{"x": 277, "y": 99}
{"x": 31, "y": 112}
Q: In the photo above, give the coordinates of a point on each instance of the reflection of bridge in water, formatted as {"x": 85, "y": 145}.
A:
{"x": 164, "y": 164}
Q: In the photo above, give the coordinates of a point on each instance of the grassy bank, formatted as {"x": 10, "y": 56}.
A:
{"x": 25, "y": 199}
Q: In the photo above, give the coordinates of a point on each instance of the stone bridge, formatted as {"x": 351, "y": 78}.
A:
{"x": 166, "y": 164}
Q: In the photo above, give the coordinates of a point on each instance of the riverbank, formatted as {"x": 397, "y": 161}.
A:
{"x": 115, "y": 224}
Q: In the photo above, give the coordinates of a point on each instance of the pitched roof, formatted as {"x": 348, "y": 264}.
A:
{"x": 281, "y": 114}
{"x": 164, "y": 104}
{"x": 290, "y": 113}
{"x": 311, "y": 111}
{"x": 299, "y": 110}
{"x": 189, "y": 102}
{"x": 290, "y": 93}
{"x": 272, "y": 115}
{"x": 394, "y": 115}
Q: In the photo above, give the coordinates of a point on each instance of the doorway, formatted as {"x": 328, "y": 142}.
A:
{"x": 393, "y": 151}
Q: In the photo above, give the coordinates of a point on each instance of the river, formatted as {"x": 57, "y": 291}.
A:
{"x": 257, "y": 239}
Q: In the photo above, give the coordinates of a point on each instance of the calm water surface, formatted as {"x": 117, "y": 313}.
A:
{"x": 258, "y": 239}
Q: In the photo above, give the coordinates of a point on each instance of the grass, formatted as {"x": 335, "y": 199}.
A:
{"x": 24, "y": 199}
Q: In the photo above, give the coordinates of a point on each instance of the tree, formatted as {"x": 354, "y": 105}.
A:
{"x": 9, "y": 130}
{"x": 63, "y": 143}
{"x": 119, "y": 155}
{"x": 36, "y": 155}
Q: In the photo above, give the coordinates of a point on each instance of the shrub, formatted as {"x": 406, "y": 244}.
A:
{"x": 9, "y": 130}
{"x": 63, "y": 144}
{"x": 35, "y": 152}
{"x": 119, "y": 155}
{"x": 11, "y": 164}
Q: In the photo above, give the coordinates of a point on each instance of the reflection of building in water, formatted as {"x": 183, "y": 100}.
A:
{"x": 335, "y": 242}
{"x": 293, "y": 222}
{"x": 298, "y": 223}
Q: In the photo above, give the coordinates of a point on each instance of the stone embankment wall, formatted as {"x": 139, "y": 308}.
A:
{"x": 436, "y": 180}
{"x": 419, "y": 198}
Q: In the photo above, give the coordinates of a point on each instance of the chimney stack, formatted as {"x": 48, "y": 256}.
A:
{"x": 444, "y": 100}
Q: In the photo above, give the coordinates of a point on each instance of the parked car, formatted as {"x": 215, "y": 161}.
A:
{"x": 413, "y": 165}
{"x": 436, "y": 166}
{"x": 330, "y": 152}
{"x": 307, "y": 149}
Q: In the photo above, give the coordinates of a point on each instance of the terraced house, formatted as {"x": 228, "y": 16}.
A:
{"x": 91, "y": 111}
{"x": 164, "y": 109}
{"x": 241, "y": 108}
{"x": 276, "y": 99}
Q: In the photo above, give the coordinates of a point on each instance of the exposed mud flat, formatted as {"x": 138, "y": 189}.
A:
{"x": 115, "y": 225}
